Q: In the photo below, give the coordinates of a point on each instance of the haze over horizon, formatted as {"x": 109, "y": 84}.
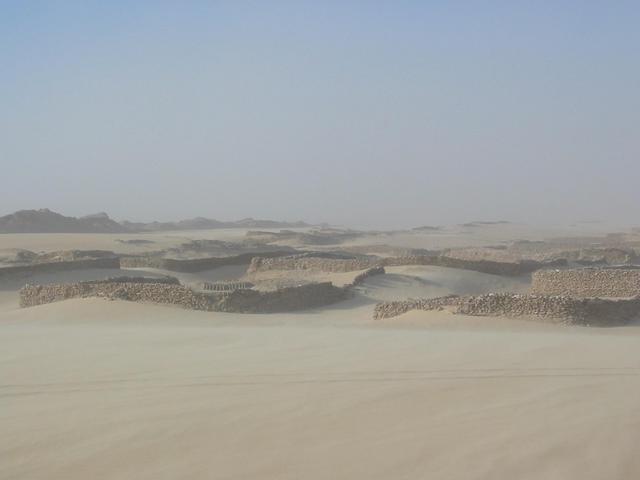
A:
{"x": 415, "y": 113}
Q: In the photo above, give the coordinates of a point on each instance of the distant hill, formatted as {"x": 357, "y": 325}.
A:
{"x": 426, "y": 228}
{"x": 200, "y": 223}
{"x": 46, "y": 221}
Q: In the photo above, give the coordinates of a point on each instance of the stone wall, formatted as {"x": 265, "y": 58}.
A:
{"x": 128, "y": 279}
{"x": 227, "y": 286}
{"x": 307, "y": 262}
{"x": 584, "y": 311}
{"x": 557, "y": 309}
{"x": 587, "y": 282}
{"x": 142, "y": 261}
{"x": 194, "y": 264}
{"x": 483, "y": 266}
{"x": 366, "y": 274}
{"x": 240, "y": 301}
{"x": 289, "y": 299}
{"x": 396, "y": 308}
{"x": 47, "y": 267}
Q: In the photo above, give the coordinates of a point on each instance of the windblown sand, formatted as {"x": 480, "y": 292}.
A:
{"x": 91, "y": 389}
{"x": 96, "y": 389}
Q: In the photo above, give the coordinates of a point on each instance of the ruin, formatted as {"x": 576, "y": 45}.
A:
{"x": 110, "y": 262}
{"x": 588, "y": 282}
{"x": 555, "y": 309}
{"x": 227, "y": 287}
{"x": 192, "y": 265}
{"x": 328, "y": 264}
{"x": 169, "y": 293}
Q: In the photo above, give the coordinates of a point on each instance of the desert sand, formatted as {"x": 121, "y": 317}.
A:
{"x": 117, "y": 390}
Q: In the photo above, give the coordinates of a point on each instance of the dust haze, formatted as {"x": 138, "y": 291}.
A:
{"x": 310, "y": 240}
{"x": 385, "y": 118}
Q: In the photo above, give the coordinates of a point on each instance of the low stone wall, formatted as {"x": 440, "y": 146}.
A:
{"x": 370, "y": 272}
{"x": 307, "y": 262}
{"x": 585, "y": 311}
{"x": 127, "y": 279}
{"x": 240, "y": 301}
{"x": 142, "y": 261}
{"x": 483, "y": 266}
{"x": 290, "y": 299}
{"x": 557, "y": 309}
{"x": 32, "y": 295}
{"x": 587, "y": 282}
{"x": 227, "y": 286}
{"x": 194, "y": 264}
{"x": 601, "y": 256}
{"x": 47, "y": 267}
{"x": 396, "y": 308}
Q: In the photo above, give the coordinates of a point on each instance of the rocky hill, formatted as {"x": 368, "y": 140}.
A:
{"x": 46, "y": 221}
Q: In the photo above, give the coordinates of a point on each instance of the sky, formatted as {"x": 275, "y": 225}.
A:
{"x": 382, "y": 114}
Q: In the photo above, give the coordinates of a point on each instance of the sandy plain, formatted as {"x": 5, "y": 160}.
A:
{"x": 117, "y": 390}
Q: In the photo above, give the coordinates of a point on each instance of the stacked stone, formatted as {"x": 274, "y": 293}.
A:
{"x": 556, "y": 308}
{"x": 142, "y": 261}
{"x": 127, "y": 279}
{"x": 60, "y": 266}
{"x": 360, "y": 278}
{"x": 283, "y": 300}
{"x": 242, "y": 301}
{"x": 514, "y": 305}
{"x": 588, "y": 282}
{"x": 193, "y": 264}
{"x": 393, "y": 309}
{"x": 165, "y": 293}
{"x": 484, "y": 266}
{"x": 306, "y": 262}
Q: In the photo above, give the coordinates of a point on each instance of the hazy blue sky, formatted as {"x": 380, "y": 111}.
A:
{"x": 392, "y": 113}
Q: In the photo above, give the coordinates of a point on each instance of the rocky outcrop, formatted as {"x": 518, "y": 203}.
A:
{"x": 587, "y": 282}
